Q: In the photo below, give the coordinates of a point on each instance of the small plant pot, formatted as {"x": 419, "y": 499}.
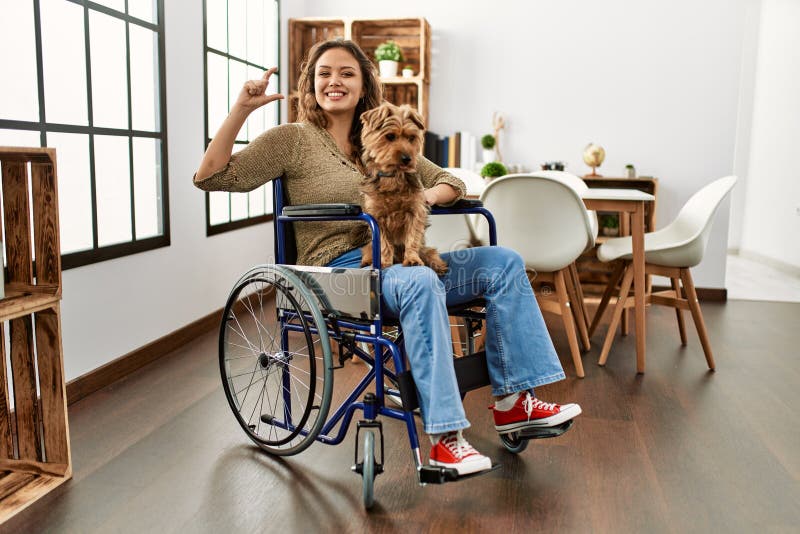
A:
{"x": 489, "y": 156}
{"x": 408, "y": 73}
{"x": 630, "y": 172}
{"x": 610, "y": 232}
{"x": 387, "y": 68}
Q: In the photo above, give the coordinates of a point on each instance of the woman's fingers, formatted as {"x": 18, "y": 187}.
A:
{"x": 269, "y": 73}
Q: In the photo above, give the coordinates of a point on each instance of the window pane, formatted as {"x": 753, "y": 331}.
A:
{"x": 109, "y": 71}
{"x": 238, "y": 206}
{"x": 237, "y": 28}
{"x": 119, "y": 5}
{"x": 147, "y": 187}
{"x": 143, "y": 9}
{"x": 64, "y": 62}
{"x": 19, "y": 138}
{"x": 217, "y": 25}
{"x": 217, "y": 79}
{"x": 238, "y": 75}
{"x": 74, "y": 190}
{"x": 144, "y": 79}
{"x": 255, "y": 31}
{"x": 112, "y": 176}
{"x": 218, "y": 207}
{"x": 271, "y": 24}
{"x": 18, "y": 100}
{"x": 256, "y": 199}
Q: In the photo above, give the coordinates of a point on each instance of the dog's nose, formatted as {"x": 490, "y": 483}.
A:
{"x": 405, "y": 159}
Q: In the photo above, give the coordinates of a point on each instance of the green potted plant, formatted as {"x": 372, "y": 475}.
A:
{"x": 388, "y": 54}
{"x": 408, "y": 72}
{"x": 488, "y": 142}
{"x": 630, "y": 171}
{"x": 609, "y": 225}
{"x": 493, "y": 169}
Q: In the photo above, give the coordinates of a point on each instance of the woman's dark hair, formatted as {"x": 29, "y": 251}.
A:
{"x": 308, "y": 109}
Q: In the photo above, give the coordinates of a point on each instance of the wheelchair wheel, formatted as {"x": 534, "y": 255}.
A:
{"x": 368, "y": 470}
{"x": 275, "y": 360}
{"x": 513, "y": 443}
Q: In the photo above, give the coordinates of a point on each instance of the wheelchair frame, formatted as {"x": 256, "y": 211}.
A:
{"x": 348, "y": 333}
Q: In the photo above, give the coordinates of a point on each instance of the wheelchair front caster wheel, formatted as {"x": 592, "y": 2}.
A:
{"x": 513, "y": 442}
{"x": 368, "y": 470}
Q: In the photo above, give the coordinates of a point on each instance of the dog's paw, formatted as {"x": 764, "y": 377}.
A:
{"x": 412, "y": 260}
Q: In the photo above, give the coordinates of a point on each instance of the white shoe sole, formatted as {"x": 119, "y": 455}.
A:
{"x": 466, "y": 468}
{"x": 567, "y": 412}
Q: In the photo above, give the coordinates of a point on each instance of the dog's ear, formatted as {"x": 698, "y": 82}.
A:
{"x": 376, "y": 116}
{"x": 416, "y": 118}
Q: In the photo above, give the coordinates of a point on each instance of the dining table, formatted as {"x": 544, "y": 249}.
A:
{"x": 630, "y": 202}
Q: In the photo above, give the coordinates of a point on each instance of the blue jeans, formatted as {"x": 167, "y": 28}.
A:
{"x": 519, "y": 352}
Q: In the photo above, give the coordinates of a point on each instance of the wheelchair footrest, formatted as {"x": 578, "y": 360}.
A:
{"x": 432, "y": 474}
{"x": 544, "y": 432}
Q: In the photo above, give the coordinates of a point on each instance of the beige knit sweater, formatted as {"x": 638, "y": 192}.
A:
{"x": 315, "y": 171}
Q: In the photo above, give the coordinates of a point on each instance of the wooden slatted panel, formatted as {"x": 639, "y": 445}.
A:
{"x": 6, "y": 442}
{"x": 45, "y": 212}
{"x": 302, "y": 36}
{"x": 12, "y": 481}
{"x": 27, "y": 494}
{"x": 51, "y": 385}
{"x": 408, "y": 33}
{"x": 20, "y": 269}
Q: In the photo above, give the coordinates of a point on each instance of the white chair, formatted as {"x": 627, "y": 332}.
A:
{"x": 669, "y": 252}
{"x": 542, "y": 216}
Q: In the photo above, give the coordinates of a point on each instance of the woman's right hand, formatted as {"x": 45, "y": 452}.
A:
{"x": 253, "y": 94}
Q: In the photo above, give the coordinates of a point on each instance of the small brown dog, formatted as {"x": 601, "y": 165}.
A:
{"x": 393, "y": 193}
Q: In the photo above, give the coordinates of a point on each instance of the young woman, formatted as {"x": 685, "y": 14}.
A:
{"x": 318, "y": 157}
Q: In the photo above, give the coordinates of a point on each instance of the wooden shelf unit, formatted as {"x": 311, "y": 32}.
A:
{"x": 34, "y": 434}
{"x": 594, "y": 274}
{"x": 412, "y": 34}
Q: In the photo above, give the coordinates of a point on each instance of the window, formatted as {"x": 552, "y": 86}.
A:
{"x": 89, "y": 81}
{"x": 241, "y": 42}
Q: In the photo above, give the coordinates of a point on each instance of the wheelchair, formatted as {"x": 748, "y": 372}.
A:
{"x": 278, "y": 366}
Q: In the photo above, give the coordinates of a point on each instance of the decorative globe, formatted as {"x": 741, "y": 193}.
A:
{"x": 593, "y": 156}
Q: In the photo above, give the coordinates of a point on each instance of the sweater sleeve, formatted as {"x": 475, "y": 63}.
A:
{"x": 432, "y": 175}
{"x": 267, "y": 157}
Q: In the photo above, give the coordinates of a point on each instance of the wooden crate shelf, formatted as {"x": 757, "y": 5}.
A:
{"x": 34, "y": 433}
{"x": 412, "y": 34}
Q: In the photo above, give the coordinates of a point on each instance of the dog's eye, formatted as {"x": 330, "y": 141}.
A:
{"x": 391, "y": 137}
{"x": 412, "y": 138}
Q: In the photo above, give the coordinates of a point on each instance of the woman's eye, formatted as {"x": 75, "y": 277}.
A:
{"x": 391, "y": 137}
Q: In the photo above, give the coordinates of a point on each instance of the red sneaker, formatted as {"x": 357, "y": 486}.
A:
{"x": 530, "y": 412}
{"x": 453, "y": 451}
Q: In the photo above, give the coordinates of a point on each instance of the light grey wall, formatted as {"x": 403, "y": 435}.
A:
{"x": 771, "y": 209}
{"x": 655, "y": 83}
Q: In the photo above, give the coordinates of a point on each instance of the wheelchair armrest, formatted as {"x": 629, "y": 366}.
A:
{"x": 327, "y": 210}
{"x": 465, "y": 204}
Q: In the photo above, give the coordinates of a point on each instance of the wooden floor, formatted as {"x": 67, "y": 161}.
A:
{"x": 679, "y": 449}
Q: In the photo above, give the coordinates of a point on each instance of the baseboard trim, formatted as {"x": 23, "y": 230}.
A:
{"x": 114, "y": 370}
{"x": 704, "y": 294}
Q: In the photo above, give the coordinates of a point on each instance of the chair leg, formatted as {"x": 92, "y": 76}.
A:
{"x": 697, "y": 315}
{"x": 612, "y": 284}
{"x": 569, "y": 323}
{"x": 678, "y": 312}
{"x": 576, "y": 280}
{"x": 455, "y": 336}
{"x": 576, "y": 304}
{"x": 627, "y": 280}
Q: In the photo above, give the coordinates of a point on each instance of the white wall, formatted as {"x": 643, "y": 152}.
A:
{"x": 654, "y": 82}
{"x": 771, "y": 214}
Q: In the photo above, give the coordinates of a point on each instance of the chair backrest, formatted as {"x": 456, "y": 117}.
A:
{"x": 541, "y": 216}
{"x": 449, "y": 232}
{"x": 691, "y": 228}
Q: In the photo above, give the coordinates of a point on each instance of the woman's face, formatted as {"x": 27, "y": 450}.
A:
{"x": 338, "y": 82}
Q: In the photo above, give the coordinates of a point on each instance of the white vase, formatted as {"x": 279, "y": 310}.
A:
{"x": 489, "y": 156}
{"x": 388, "y": 68}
